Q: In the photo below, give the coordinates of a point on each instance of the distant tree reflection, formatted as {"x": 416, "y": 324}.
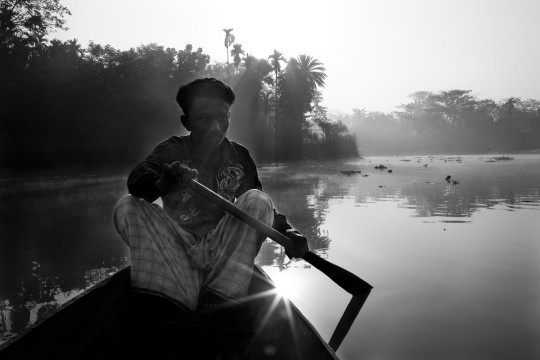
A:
{"x": 305, "y": 202}
{"x": 37, "y": 295}
{"x": 304, "y": 191}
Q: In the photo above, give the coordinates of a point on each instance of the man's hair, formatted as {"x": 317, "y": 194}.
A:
{"x": 209, "y": 87}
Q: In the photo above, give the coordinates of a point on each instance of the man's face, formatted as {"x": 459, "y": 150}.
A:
{"x": 208, "y": 121}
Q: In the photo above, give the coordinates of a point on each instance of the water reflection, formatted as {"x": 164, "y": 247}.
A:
{"x": 303, "y": 197}
{"x": 56, "y": 240}
{"x": 427, "y": 191}
{"x": 441, "y": 256}
{"x": 57, "y": 237}
{"x": 36, "y": 295}
{"x": 449, "y": 190}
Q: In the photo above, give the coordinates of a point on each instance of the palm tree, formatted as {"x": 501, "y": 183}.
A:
{"x": 236, "y": 52}
{"x": 276, "y": 57}
{"x": 300, "y": 81}
{"x": 229, "y": 40}
{"x": 312, "y": 69}
{"x": 265, "y": 99}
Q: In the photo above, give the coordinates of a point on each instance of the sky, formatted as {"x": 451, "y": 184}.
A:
{"x": 375, "y": 53}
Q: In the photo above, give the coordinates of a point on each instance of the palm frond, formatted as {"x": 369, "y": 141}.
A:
{"x": 237, "y": 50}
{"x": 229, "y": 37}
{"x": 276, "y": 57}
{"x": 313, "y": 69}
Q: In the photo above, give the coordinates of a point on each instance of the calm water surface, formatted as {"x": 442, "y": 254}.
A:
{"x": 455, "y": 267}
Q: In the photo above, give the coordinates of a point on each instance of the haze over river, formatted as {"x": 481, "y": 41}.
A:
{"x": 455, "y": 265}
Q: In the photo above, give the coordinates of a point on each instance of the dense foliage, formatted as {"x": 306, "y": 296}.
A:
{"x": 62, "y": 104}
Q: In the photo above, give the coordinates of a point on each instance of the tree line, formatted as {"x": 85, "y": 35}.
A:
{"x": 64, "y": 104}
{"x": 453, "y": 121}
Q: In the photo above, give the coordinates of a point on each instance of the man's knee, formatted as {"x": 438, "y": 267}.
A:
{"x": 257, "y": 204}
{"x": 127, "y": 204}
{"x": 126, "y": 200}
{"x": 257, "y": 198}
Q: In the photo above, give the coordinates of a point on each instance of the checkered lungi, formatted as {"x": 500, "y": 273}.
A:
{"x": 167, "y": 260}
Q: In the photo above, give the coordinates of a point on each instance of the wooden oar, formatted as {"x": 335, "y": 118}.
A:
{"x": 347, "y": 280}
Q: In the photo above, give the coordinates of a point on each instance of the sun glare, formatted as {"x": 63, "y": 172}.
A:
{"x": 285, "y": 286}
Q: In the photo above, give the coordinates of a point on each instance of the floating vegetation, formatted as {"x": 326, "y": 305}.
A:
{"x": 500, "y": 158}
{"x": 449, "y": 180}
{"x": 350, "y": 172}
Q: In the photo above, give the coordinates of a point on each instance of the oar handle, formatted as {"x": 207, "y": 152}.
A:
{"x": 347, "y": 280}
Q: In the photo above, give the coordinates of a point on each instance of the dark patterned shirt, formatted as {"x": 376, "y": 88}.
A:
{"x": 234, "y": 174}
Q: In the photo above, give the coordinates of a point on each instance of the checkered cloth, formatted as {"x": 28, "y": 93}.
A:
{"x": 167, "y": 260}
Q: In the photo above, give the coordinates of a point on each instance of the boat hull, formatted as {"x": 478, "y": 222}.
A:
{"x": 110, "y": 322}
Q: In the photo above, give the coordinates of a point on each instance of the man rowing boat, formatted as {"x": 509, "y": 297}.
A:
{"x": 190, "y": 251}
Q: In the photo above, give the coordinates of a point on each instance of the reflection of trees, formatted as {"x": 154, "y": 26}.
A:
{"x": 6, "y": 318}
{"x": 37, "y": 295}
{"x": 94, "y": 276}
{"x": 273, "y": 254}
{"x": 481, "y": 186}
{"x": 32, "y": 292}
{"x": 303, "y": 195}
{"x": 65, "y": 223}
{"x": 438, "y": 200}
{"x": 304, "y": 200}
{"x": 464, "y": 199}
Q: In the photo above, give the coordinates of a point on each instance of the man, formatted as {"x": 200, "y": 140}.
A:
{"x": 191, "y": 252}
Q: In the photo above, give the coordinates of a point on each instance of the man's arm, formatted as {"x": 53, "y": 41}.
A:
{"x": 142, "y": 180}
{"x": 160, "y": 173}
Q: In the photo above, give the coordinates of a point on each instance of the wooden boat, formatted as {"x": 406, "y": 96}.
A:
{"x": 104, "y": 323}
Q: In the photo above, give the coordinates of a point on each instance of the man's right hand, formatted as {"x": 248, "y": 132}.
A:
{"x": 174, "y": 177}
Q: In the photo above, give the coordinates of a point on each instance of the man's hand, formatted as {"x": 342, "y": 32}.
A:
{"x": 299, "y": 244}
{"x": 175, "y": 176}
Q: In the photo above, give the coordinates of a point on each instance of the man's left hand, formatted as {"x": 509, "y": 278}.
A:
{"x": 299, "y": 244}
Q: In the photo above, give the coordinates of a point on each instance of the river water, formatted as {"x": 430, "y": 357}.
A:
{"x": 454, "y": 263}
